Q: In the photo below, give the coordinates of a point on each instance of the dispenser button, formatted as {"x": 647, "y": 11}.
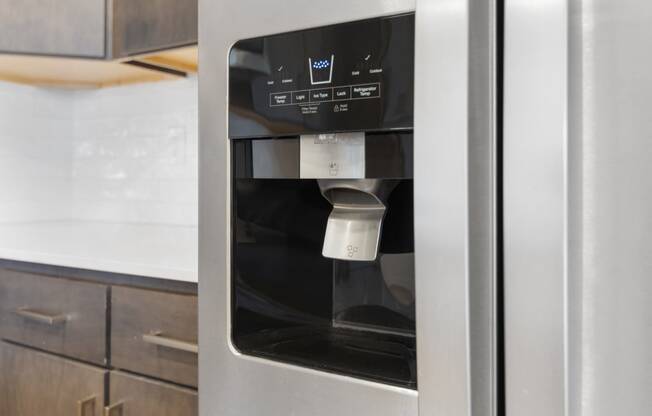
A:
{"x": 325, "y": 94}
{"x": 342, "y": 93}
{"x": 299, "y": 97}
{"x": 280, "y": 98}
{"x": 366, "y": 91}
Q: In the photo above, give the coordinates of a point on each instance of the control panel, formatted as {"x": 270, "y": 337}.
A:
{"x": 354, "y": 76}
{"x": 319, "y": 95}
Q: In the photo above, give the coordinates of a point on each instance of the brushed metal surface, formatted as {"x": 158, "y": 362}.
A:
{"x": 87, "y": 406}
{"x": 339, "y": 155}
{"x": 454, "y": 144}
{"x": 578, "y": 273}
{"x": 483, "y": 186}
{"x": 48, "y": 27}
{"x": 454, "y": 191}
{"x": 611, "y": 307}
{"x": 44, "y": 318}
{"x": 158, "y": 338}
{"x": 232, "y": 384}
{"x": 535, "y": 206}
{"x": 116, "y": 409}
{"x": 354, "y": 224}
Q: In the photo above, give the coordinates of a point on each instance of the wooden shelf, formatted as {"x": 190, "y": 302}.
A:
{"x": 89, "y": 73}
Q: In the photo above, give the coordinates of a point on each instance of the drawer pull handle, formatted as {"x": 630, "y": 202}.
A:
{"x": 86, "y": 407}
{"x": 41, "y": 317}
{"x": 114, "y": 410}
{"x": 157, "y": 338}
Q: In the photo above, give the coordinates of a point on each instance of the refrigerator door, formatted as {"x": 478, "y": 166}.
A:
{"x": 535, "y": 190}
{"x": 455, "y": 215}
{"x": 578, "y": 197}
{"x": 454, "y": 209}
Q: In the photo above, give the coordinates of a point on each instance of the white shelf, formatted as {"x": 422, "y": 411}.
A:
{"x": 160, "y": 251}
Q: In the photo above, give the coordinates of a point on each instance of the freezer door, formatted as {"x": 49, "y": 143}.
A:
{"x": 454, "y": 189}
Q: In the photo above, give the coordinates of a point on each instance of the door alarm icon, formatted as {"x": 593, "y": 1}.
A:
{"x": 321, "y": 70}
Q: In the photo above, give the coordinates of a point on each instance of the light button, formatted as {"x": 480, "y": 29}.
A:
{"x": 299, "y": 97}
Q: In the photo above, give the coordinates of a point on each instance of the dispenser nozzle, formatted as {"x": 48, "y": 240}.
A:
{"x": 354, "y": 225}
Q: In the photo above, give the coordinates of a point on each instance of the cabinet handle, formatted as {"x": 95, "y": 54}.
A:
{"x": 157, "y": 338}
{"x": 114, "y": 409}
{"x": 40, "y": 317}
{"x": 86, "y": 407}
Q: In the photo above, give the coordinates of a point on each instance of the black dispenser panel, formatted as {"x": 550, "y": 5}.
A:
{"x": 292, "y": 301}
{"x": 349, "y": 77}
{"x": 291, "y": 304}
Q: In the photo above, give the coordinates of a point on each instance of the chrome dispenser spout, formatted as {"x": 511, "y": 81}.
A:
{"x": 355, "y": 223}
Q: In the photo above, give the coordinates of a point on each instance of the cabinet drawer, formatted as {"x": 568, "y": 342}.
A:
{"x": 155, "y": 333}
{"x": 36, "y": 384}
{"x": 62, "y": 316}
{"x": 137, "y": 396}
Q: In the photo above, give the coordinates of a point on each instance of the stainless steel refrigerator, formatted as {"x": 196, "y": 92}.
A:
{"x": 430, "y": 207}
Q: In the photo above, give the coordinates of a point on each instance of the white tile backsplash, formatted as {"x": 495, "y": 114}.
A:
{"x": 35, "y": 153}
{"x": 126, "y": 154}
{"x": 135, "y": 153}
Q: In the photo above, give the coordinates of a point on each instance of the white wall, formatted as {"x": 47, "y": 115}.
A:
{"x": 125, "y": 154}
{"x": 35, "y": 153}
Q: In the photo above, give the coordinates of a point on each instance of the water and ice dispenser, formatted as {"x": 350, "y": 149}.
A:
{"x": 320, "y": 129}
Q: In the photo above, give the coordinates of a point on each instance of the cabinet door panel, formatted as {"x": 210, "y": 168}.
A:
{"x": 53, "y": 27}
{"x": 62, "y": 316}
{"x": 155, "y": 334}
{"x": 143, "y": 26}
{"x": 139, "y": 396}
{"x": 36, "y": 384}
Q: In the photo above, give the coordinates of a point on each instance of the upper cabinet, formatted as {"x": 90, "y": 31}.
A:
{"x": 93, "y": 73}
{"x": 104, "y": 42}
{"x": 102, "y": 29}
{"x": 54, "y": 27}
{"x": 145, "y": 26}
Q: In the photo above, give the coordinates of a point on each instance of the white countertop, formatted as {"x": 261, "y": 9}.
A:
{"x": 151, "y": 250}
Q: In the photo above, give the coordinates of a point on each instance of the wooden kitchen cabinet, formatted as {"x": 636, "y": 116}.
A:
{"x": 139, "y": 396}
{"x": 49, "y": 28}
{"x": 66, "y": 342}
{"x": 95, "y": 43}
{"x": 62, "y": 316}
{"x": 154, "y": 333}
{"x": 96, "y": 28}
{"x": 37, "y": 384}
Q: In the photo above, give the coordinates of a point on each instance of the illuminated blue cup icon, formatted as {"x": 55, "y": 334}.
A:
{"x": 321, "y": 70}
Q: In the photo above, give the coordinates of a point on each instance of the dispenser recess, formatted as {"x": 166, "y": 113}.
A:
{"x": 322, "y": 215}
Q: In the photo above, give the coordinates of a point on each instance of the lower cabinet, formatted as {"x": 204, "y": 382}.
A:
{"x": 154, "y": 334}
{"x": 70, "y": 347}
{"x": 36, "y": 384}
{"x": 139, "y": 396}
